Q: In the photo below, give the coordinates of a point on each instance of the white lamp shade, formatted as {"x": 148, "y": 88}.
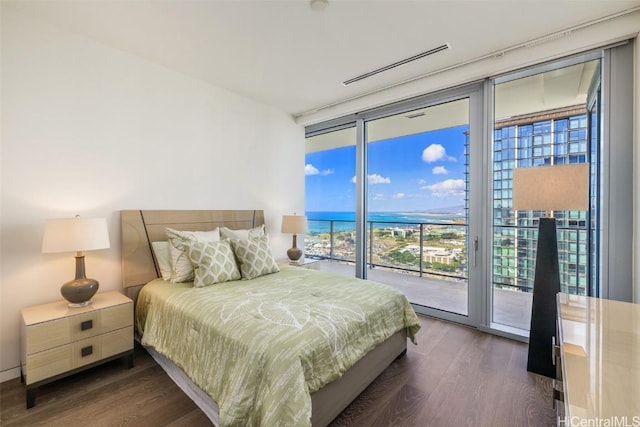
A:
{"x": 551, "y": 188}
{"x": 75, "y": 235}
{"x": 294, "y": 224}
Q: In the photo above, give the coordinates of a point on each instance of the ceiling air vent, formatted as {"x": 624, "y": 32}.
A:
{"x": 397, "y": 64}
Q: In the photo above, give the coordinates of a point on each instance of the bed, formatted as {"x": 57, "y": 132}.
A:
{"x": 240, "y": 373}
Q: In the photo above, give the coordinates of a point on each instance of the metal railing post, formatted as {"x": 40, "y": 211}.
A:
{"x": 331, "y": 240}
{"x": 421, "y": 248}
{"x": 371, "y": 244}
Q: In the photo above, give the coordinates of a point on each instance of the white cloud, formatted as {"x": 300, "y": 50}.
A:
{"x": 309, "y": 169}
{"x": 398, "y": 196}
{"x": 435, "y": 152}
{"x": 422, "y": 181}
{"x": 378, "y": 196}
{"x": 375, "y": 179}
{"x": 378, "y": 179}
{"x": 439, "y": 170}
{"x": 449, "y": 187}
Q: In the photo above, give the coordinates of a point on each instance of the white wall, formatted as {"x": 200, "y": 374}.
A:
{"x": 91, "y": 130}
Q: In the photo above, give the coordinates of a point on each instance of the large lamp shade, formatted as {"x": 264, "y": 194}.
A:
{"x": 551, "y": 188}
{"x": 75, "y": 234}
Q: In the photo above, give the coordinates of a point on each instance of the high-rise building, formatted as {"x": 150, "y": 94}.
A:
{"x": 547, "y": 138}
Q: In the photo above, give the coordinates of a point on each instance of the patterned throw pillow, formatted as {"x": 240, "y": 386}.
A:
{"x": 182, "y": 270}
{"x": 213, "y": 261}
{"x": 254, "y": 257}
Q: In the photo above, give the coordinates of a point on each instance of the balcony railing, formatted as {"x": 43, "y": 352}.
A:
{"x": 425, "y": 248}
{"x": 438, "y": 249}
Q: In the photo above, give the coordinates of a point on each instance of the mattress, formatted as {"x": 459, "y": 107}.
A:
{"x": 260, "y": 347}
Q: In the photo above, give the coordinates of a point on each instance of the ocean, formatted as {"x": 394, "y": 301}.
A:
{"x": 344, "y": 221}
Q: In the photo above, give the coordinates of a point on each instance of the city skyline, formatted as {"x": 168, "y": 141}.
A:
{"x": 412, "y": 173}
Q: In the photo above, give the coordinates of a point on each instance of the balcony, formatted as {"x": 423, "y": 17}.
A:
{"x": 426, "y": 261}
{"x": 511, "y": 308}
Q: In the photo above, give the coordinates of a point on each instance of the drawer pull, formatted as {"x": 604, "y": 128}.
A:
{"x": 86, "y": 351}
{"x": 87, "y": 324}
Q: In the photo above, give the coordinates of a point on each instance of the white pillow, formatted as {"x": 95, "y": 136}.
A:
{"x": 242, "y": 234}
{"x": 162, "y": 252}
{"x": 214, "y": 262}
{"x": 181, "y": 268}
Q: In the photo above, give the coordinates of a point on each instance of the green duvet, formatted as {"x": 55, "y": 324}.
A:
{"x": 260, "y": 347}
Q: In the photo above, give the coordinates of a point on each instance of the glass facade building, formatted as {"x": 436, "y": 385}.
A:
{"x": 548, "y": 138}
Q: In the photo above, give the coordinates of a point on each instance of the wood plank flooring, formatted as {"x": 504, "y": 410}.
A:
{"x": 456, "y": 376}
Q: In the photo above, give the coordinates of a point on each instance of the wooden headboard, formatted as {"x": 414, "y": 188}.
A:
{"x": 141, "y": 227}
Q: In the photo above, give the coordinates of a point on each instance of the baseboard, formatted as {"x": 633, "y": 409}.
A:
{"x": 9, "y": 374}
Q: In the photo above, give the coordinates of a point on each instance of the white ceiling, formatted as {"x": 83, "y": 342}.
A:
{"x": 289, "y": 56}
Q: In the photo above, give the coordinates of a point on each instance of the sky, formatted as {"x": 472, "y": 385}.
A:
{"x": 411, "y": 173}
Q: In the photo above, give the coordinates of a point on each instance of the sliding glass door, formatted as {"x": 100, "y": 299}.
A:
{"x": 541, "y": 119}
{"x": 417, "y": 199}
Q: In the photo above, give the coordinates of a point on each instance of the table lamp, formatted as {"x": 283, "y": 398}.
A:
{"x": 294, "y": 224}
{"x": 548, "y": 188}
{"x": 76, "y": 235}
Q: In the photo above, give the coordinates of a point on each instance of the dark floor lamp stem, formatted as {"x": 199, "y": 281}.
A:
{"x": 543, "y": 309}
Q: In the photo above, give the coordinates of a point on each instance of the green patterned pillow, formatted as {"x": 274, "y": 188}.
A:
{"x": 254, "y": 257}
{"x": 213, "y": 262}
{"x": 181, "y": 268}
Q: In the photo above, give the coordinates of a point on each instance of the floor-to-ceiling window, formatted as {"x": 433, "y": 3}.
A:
{"x": 540, "y": 120}
{"x": 418, "y": 192}
{"x": 330, "y": 168}
{"x": 433, "y": 191}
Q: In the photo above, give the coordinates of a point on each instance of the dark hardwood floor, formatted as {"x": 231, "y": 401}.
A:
{"x": 456, "y": 376}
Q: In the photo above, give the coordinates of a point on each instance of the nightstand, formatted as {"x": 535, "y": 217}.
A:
{"x": 58, "y": 340}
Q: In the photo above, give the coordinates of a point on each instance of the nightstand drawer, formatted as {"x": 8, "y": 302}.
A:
{"x": 96, "y": 348}
{"x": 86, "y": 351}
{"x": 117, "y": 341}
{"x": 84, "y": 325}
{"x": 116, "y": 317}
{"x": 46, "y": 335}
{"x": 48, "y": 364}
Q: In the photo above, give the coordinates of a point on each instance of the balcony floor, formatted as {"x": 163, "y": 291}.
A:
{"x": 510, "y": 308}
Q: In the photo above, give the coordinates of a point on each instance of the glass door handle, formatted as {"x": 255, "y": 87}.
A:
{"x": 475, "y": 252}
